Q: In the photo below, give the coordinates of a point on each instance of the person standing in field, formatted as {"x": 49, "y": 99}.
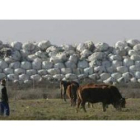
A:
{"x": 4, "y": 105}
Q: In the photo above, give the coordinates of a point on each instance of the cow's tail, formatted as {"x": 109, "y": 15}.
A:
{"x": 79, "y": 98}
{"x": 79, "y": 94}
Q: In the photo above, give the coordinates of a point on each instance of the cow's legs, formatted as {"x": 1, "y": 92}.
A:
{"x": 88, "y": 105}
{"x": 78, "y": 104}
{"x": 83, "y": 105}
{"x": 104, "y": 107}
{"x": 65, "y": 94}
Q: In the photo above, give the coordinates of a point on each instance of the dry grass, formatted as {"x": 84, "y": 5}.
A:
{"x": 57, "y": 109}
{"x": 42, "y": 102}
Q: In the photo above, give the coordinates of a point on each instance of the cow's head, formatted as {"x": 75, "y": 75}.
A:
{"x": 120, "y": 104}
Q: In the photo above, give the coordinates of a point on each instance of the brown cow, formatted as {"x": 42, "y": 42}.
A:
{"x": 106, "y": 94}
{"x": 72, "y": 93}
{"x": 63, "y": 87}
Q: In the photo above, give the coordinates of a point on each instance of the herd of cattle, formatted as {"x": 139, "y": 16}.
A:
{"x": 92, "y": 93}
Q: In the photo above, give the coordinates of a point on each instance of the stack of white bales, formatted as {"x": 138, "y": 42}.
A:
{"x": 100, "y": 62}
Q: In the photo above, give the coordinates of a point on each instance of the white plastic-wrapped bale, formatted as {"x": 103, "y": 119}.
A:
{"x": 16, "y": 45}
{"x": 16, "y": 55}
{"x": 133, "y": 42}
{"x": 19, "y": 71}
{"x": 29, "y": 47}
{"x": 37, "y": 64}
{"x": 94, "y": 63}
{"x": 36, "y": 77}
{"x": 3, "y": 64}
{"x": 116, "y": 75}
{"x": 47, "y": 65}
{"x": 27, "y": 81}
{"x": 66, "y": 70}
{"x": 104, "y": 76}
{"x": 53, "y": 71}
{"x": 73, "y": 58}
{"x": 26, "y": 65}
{"x": 106, "y": 63}
{"x": 120, "y": 45}
{"x": 8, "y": 71}
{"x": 115, "y": 57}
{"x": 67, "y": 47}
{"x": 99, "y": 69}
{"x": 137, "y": 63}
{"x": 96, "y": 56}
{"x": 1, "y": 70}
{"x": 55, "y": 59}
{"x": 133, "y": 52}
{"x": 42, "y": 55}
{"x": 127, "y": 48}
{"x": 77, "y": 71}
{"x": 70, "y": 76}
{"x": 42, "y": 72}
{"x": 136, "y": 47}
{"x": 85, "y": 53}
{"x": 52, "y": 54}
{"x": 14, "y": 65}
{"x": 31, "y": 57}
{"x": 83, "y": 64}
{"x": 62, "y": 56}
{"x": 120, "y": 52}
{"x": 133, "y": 80}
{"x": 25, "y": 54}
{"x": 58, "y": 76}
{"x": 101, "y": 46}
{"x": 82, "y": 76}
{"x": 116, "y": 63}
{"x": 47, "y": 77}
{"x": 8, "y": 60}
{"x": 31, "y": 72}
{"x": 80, "y": 47}
{"x": 53, "y": 49}
{"x": 59, "y": 65}
{"x": 110, "y": 69}
{"x": 23, "y": 77}
{"x": 127, "y": 76}
{"x": 89, "y": 45}
{"x": 122, "y": 69}
{"x": 88, "y": 71}
{"x": 133, "y": 69}
{"x": 2, "y": 76}
{"x": 128, "y": 62}
{"x": 43, "y": 45}
{"x": 12, "y": 77}
{"x": 70, "y": 64}
{"x": 121, "y": 80}
{"x": 137, "y": 74}
{"x": 94, "y": 76}
{"x": 135, "y": 57}
{"x": 110, "y": 80}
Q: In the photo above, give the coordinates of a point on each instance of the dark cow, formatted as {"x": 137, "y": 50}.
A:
{"x": 104, "y": 94}
{"x": 72, "y": 93}
{"x": 63, "y": 87}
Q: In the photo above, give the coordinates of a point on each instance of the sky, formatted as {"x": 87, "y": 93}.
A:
{"x": 69, "y": 31}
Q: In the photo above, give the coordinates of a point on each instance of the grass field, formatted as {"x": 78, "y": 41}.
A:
{"x": 57, "y": 109}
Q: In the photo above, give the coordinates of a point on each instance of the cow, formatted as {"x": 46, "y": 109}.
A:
{"x": 107, "y": 94}
{"x": 93, "y": 85}
{"x": 63, "y": 87}
{"x": 72, "y": 93}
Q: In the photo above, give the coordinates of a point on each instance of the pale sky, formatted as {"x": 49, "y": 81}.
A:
{"x": 69, "y": 31}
